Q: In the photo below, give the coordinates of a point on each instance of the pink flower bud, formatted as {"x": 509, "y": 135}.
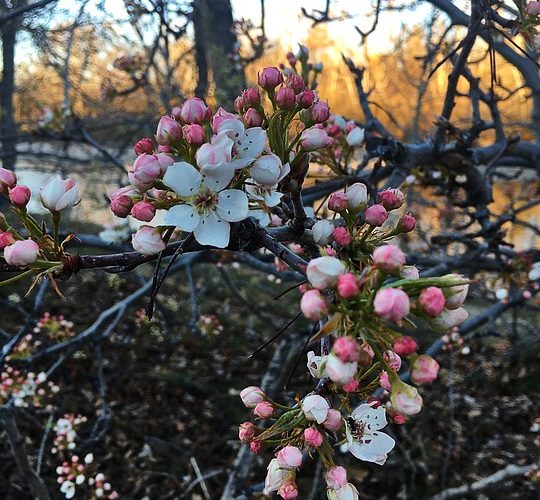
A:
{"x": 239, "y": 104}
{"x": 347, "y": 286}
{"x": 251, "y": 396}
{"x": 162, "y": 148}
{"x": 320, "y": 112}
{"x": 336, "y": 477}
{"x": 346, "y": 348}
{"x": 285, "y": 98}
{"x": 356, "y": 195}
{"x": 147, "y": 240}
{"x": 376, "y": 215}
{"x": 246, "y": 432}
{"x": 255, "y": 446}
{"x": 314, "y": 138}
{"x": 121, "y": 205}
{"x": 406, "y": 223}
{"x": 145, "y": 145}
{"x": 143, "y": 211}
{"x": 6, "y": 239}
{"x": 221, "y": 116}
{"x": 341, "y": 236}
{"x": 169, "y": 131}
{"x": 313, "y": 437}
{"x": 7, "y": 179}
{"x": 449, "y": 318}
{"x": 431, "y": 301}
{"x": 21, "y": 253}
{"x": 391, "y": 304}
{"x": 194, "y": 110}
{"x": 455, "y": 295}
{"x": 194, "y": 134}
{"x": 338, "y": 371}
{"x": 305, "y": 99}
{"x": 252, "y": 118}
{"x": 405, "y": 398}
{"x": 410, "y": 273}
{"x": 19, "y": 196}
{"x": 337, "y": 201}
{"x": 291, "y": 59}
{"x": 289, "y": 457}
{"x": 333, "y": 420}
{"x": 295, "y": 82}
{"x": 533, "y": 8}
{"x": 391, "y": 198}
{"x": 264, "y": 409}
{"x": 146, "y": 169}
{"x": 176, "y": 113}
{"x": 351, "y": 386}
{"x": 393, "y": 360}
{"x": 313, "y": 305}
{"x": 388, "y": 258}
{"x": 270, "y": 78}
{"x": 288, "y": 490}
{"x": 384, "y": 381}
{"x": 424, "y": 370}
{"x": 333, "y": 130}
{"x": 251, "y": 97}
{"x": 405, "y": 345}
{"x": 323, "y": 272}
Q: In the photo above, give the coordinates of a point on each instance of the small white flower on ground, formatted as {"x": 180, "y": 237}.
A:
{"x": 209, "y": 206}
{"x": 363, "y": 439}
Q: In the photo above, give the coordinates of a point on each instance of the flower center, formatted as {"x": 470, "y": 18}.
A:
{"x": 357, "y": 429}
{"x": 205, "y": 199}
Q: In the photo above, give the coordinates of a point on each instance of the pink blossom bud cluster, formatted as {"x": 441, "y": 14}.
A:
{"x": 65, "y": 430}
{"x": 26, "y": 389}
{"x": 75, "y": 473}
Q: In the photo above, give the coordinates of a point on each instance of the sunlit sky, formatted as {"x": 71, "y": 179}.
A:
{"x": 284, "y": 20}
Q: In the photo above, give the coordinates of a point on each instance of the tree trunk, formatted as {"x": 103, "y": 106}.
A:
{"x": 8, "y": 127}
{"x": 215, "y": 42}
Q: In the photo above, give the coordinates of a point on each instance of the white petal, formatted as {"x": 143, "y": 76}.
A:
{"x": 233, "y": 128}
{"x": 212, "y": 231}
{"x": 375, "y": 418}
{"x": 69, "y": 199}
{"x": 232, "y": 205}
{"x": 251, "y": 144}
{"x": 272, "y": 198}
{"x": 217, "y": 176}
{"x": 373, "y": 447}
{"x": 183, "y": 216}
{"x": 239, "y": 163}
{"x": 182, "y": 178}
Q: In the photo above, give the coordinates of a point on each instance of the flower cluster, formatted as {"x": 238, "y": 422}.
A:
{"x": 49, "y": 329}
{"x": 38, "y": 251}
{"x": 208, "y": 169}
{"x": 26, "y": 389}
{"x": 75, "y": 473}
{"x": 65, "y": 430}
{"x": 359, "y": 290}
{"x": 209, "y": 324}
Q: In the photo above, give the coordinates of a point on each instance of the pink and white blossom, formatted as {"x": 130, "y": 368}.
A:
{"x": 58, "y": 194}
{"x": 315, "y": 408}
{"x": 323, "y": 272}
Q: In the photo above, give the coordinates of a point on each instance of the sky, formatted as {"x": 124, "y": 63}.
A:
{"x": 284, "y": 20}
